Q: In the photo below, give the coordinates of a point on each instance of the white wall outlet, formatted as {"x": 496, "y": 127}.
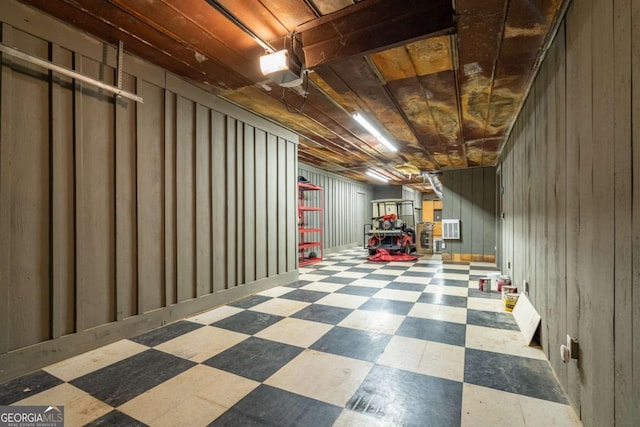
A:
{"x": 572, "y": 345}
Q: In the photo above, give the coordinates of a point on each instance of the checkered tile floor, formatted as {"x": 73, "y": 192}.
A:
{"x": 352, "y": 343}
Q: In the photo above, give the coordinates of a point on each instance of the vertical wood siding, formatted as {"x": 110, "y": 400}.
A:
{"x": 112, "y": 211}
{"x": 469, "y": 195}
{"x": 572, "y": 206}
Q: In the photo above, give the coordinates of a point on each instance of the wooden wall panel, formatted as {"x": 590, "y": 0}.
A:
{"x": 149, "y": 170}
{"x": 343, "y": 209}
{"x": 582, "y": 99}
{"x": 466, "y": 212}
{"x": 557, "y": 203}
{"x": 272, "y": 204}
{"x": 476, "y": 197}
{"x": 250, "y": 205}
{"x": 338, "y": 211}
{"x": 334, "y": 187}
{"x": 509, "y": 194}
{"x": 329, "y": 209}
{"x": 627, "y": 227}
{"x": 219, "y": 199}
{"x": 508, "y": 231}
{"x": 523, "y": 268}
{"x": 540, "y": 275}
{"x": 62, "y": 197}
{"x": 630, "y": 411}
{"x": 539, "y": 200}
{"x": 203, "y": 201}
{"x": 468, "y": 196}
{"x": 583, "y": 206}
{"x": 126, "y": 208}
{"x": 573, "y": 207}
{"x": 452, "y": 183}
{"x": 282, "y": 206}
{"x": 519, "y": 199}
{"x": 261, "y": 204}
{"x": 490, "y": 217}
{"x": 170, "y": 199}
{"x": 599, "y": 300}
{"x": 185, "y": 186}
{"x": 342, "y": 205}
{"x": 350, "y": 212}
{"x": 358, "y": 206}
{"x": 530, "y": 198}
{"x": 629, "y": 407}
{"x": 228, "y": 225}
{"x": 116, "y": 217}
{"x": 331, "y": 214}
{"x": 240, "y": 211}
{"x": 5, "y": 192}
{"x": 292, "y": 214}
{"x": 95, "y": 185}
{"x": 25, "y": 160}
{"x": 344, "y": 235}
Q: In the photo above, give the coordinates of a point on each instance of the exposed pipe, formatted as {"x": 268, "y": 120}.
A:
{"x": 67, "y": 72}
{"x": 435, "y": 184}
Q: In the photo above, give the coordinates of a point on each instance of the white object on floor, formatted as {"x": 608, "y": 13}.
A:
{"x": 526, "y": 317}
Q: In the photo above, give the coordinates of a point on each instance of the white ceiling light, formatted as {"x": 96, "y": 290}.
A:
{"x": 377, "y": 176}
{"x": 282, "y": 68}
{"x": 373, "y": 131}
{"x": 274, "y": 62}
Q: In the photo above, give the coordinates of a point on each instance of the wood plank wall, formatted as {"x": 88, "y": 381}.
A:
{"x": 572, "y": 206}
{"x": 117, "y": 217}
{"x": 469, "y": 195}
{"x": 343, "y": 228}
{"x": 416, "y": 196}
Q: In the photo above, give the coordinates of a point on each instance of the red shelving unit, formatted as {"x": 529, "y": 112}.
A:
{"x": 310, "y": 225}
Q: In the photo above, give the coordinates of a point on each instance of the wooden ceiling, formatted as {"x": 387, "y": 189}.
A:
{"x": 443, "y": 81}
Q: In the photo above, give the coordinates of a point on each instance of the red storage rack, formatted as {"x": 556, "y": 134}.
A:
{"x": 310, "y": 223}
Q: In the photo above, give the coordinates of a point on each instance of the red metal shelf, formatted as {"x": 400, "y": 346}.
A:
{"x": 302, "y": 186}
{"x": 306, "y": 245}
{"x": 307, "y": 261}
{"x": 316, "y": 221}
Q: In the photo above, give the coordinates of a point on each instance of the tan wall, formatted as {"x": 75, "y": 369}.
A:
{"x": 117, "y": 217}
{"x": 428, "y": 207}
{"x": 572, "y": 206}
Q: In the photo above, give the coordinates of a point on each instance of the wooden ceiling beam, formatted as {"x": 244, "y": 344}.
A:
{"x": 371, "y": 26}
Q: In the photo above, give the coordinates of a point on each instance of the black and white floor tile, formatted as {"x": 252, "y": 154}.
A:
{"x": 351, "y": 343}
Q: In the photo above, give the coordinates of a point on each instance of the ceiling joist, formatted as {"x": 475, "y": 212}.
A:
{"x": 371, "y": 26}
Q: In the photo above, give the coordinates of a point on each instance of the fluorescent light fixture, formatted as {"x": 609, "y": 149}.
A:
{"x": 274, "y": 62}
{"x": 377, "y": 176}
{"x": 373, "y": 131}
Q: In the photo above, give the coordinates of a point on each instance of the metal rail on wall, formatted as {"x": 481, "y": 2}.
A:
{"x": 73, "y": 74}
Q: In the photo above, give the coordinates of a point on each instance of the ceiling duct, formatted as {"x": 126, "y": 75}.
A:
{"x": 435, "y": 182}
